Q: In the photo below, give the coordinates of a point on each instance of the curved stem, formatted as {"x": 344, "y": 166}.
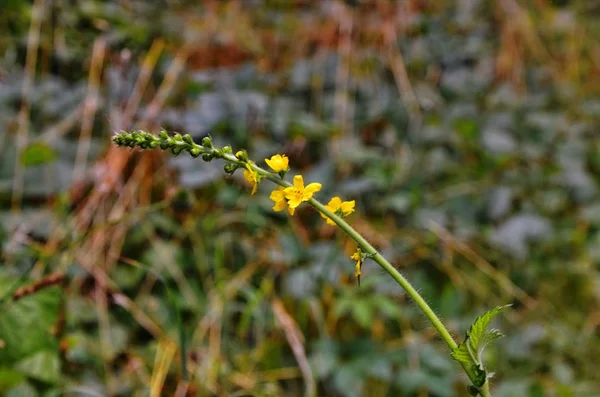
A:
{"x": 179, "y": 143}
{"x": 387, "y": 266}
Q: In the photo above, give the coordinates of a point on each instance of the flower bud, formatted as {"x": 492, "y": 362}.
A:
{"x": 242, "y": 155}
{"x": 230, "y": 168}
{"x": 176, "y": 150}
{"x": 207, "y": 142}
{"x": 195, "y": 152}
{"x": 188, "y": 139}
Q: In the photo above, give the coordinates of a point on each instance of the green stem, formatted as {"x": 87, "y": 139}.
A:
{"x": 179, "y": 143}
{"x": 387, "y": 266}
{"x": 485, "y": 390}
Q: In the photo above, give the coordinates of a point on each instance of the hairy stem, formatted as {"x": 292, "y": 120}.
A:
{"x": 387, "y": 266}
{"x": 179, "y": 143}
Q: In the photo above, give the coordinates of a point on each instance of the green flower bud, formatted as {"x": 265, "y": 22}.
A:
{"x": 207, "y": 157}
{"x": 227, "y": 150}
{"x": 176, "y": 150}
{"x": 230, "y": 168}
{"x": 207, "y": 142}
{"x": 163, "y": 135}
{"x": 195, "y": 152}
{"x": 188, "y": 139}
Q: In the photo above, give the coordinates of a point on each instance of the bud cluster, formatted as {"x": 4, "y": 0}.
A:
{"x": 176, "y": 143}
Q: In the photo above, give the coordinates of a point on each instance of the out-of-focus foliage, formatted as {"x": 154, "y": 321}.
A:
{"x": 466, "y": 131}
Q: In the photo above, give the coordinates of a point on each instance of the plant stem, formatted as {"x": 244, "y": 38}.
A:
{"x": 404, "y": 283}
{"x": 179, "y": 143}
{"x": 388, "y": 267}
{"x": 485, "y": 390}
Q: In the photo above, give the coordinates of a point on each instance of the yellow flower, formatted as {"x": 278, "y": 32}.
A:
{"x": 278, "y": 162}
{"x": 340, "y": 208}
{"x": 358, "y": 258}
{"x": 298, "y": 193}
{"x": 278, "y": 196}
{"x": 252, "y": 177}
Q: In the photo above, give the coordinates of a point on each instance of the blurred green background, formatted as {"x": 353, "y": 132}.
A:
{"x": 466, "y": 131}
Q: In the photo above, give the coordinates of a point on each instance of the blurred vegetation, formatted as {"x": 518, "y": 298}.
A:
{"x": 467, "y": 132}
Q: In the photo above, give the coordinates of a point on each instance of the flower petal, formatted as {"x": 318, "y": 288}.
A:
{"x": 298, "y": 182}
{"x": 279, "y": 205}
{"x": 277, "y": 195}
{"x": 334, "y": 203}
{"x": 289, "y": 192}
{"x": 312, "y": 188}
{"x": 348, "y": 207}
{"x": 294, "y": 202}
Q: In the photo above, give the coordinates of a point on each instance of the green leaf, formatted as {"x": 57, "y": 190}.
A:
{"x": 478, "y": 330}
{"x": 43, "y": 366}
{"x": 9, "y": 378}
{"x": 37, "y": 154}
{"x": 477, "y": 338}
{"x": 24, "y": 389}
{"x": 461, "y": 354}
{"x": 25, "y": 325}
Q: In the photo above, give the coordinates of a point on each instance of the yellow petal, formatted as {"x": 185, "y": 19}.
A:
{"x": 277, "y": 195}
{"x": 357, "y": 273}
{"x": 294, "y": 202}
{"x": 289, "y": 192}
{"x": 249, "y": 176}
{"x": 271, "y": 163}
{"x": 334, "y": 203}
{"x": 312, "y": 188}
{"x": 278, "y": 162}
{"x": 330, "y": 222}
{"x": 348, "y": 207}
{"x": 280, "y": 205}
{"x": 291, "y": 210}
{"x": 298, "y": 182}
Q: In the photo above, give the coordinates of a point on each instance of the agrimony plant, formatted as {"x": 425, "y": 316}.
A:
{"x": 288, "y": 196}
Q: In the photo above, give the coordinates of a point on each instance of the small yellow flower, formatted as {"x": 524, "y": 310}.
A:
{"x": 357, "y": 256}
{"x": 278, "y": 162}
{"x": 340, "y": 208}
{"x": 252, "y": 177}
{"x": 298, "y": 193}
{"x": 278, "y": 196}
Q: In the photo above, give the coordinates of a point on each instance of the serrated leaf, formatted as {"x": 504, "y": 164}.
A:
{"x": 477, "y": 338}
{"x": 478, "y": 330}
{"x": 461, "y": 354}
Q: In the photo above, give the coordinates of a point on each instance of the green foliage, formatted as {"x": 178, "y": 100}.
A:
{"x": 470, "y": 351}
{"x": 37, "y": 154}
{"x": 30, "y": 349}
{"x": 503, "y": 156}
